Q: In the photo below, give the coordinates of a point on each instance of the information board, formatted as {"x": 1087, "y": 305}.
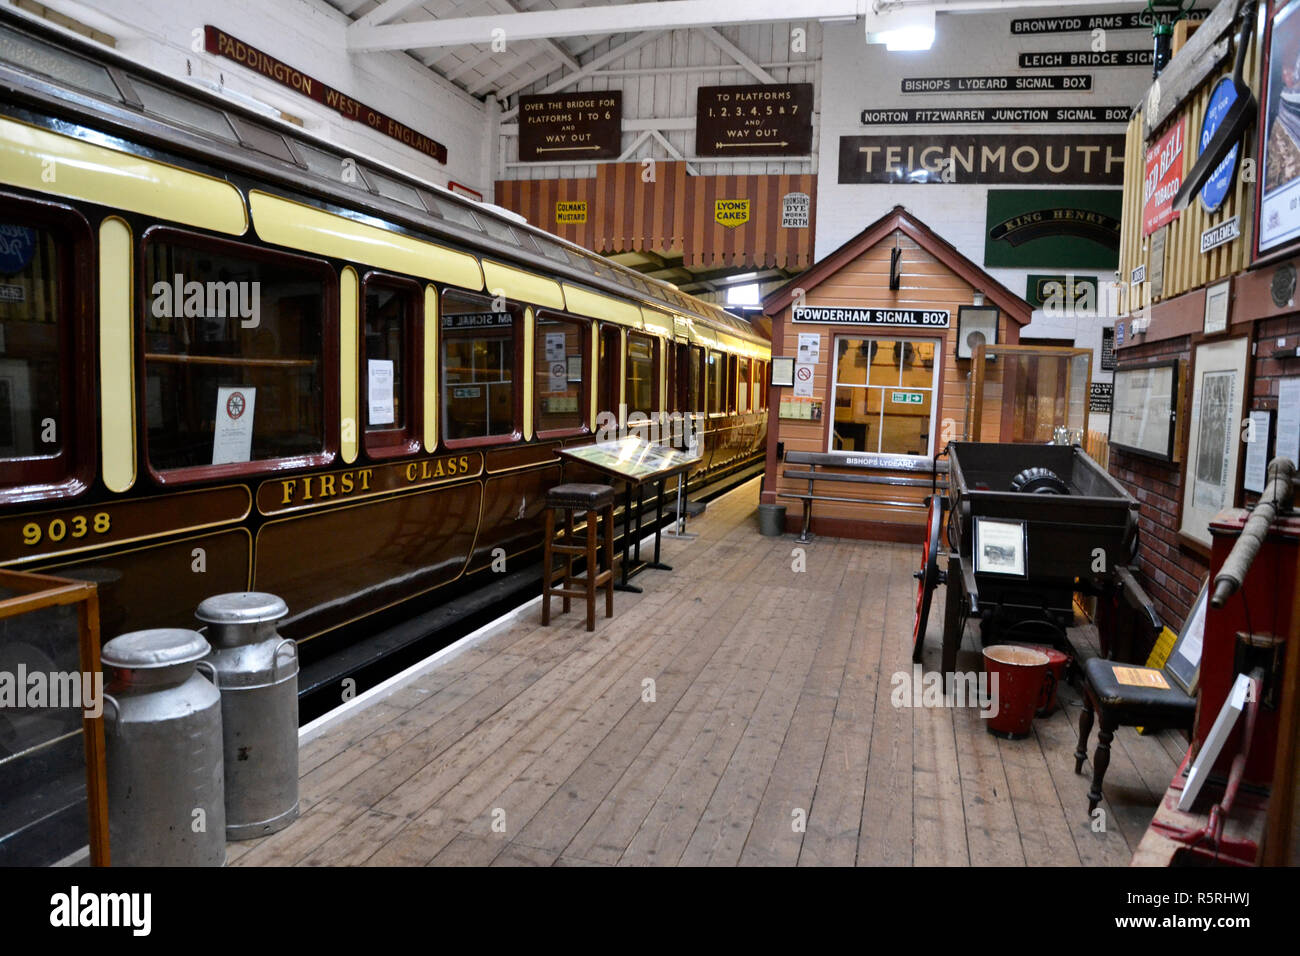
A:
{"x": 772, "y": 119}
{"x": 558, "y": 127}
{"x": 1144, "y": 409}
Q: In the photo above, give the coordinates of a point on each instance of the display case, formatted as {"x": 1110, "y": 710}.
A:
{"x": 53, "y": 794}
{"x": 1024, "y": 393}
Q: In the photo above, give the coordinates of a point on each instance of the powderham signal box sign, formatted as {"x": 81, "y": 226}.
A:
{"x": 853, "y": 315}
{"x": 738, "y": 122}
{"x": 568, "y": 127}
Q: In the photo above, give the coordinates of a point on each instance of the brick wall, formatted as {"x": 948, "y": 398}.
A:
{"x": 1170, "y": 572}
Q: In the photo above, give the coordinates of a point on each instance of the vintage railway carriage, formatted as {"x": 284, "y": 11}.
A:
{"x": 233, "y": 357}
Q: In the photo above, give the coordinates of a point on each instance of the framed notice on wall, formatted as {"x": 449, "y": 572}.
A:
{"x": 1146, "y": 412}
{"x": 1218, "y": 403}
{"x": 1278, "y": 201}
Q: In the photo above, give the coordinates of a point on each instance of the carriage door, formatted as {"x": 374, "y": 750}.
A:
{"x": 611, "y": 371}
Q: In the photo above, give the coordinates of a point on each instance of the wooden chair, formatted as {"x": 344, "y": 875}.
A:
{"x": 597, "y": 501}
{"x": 1127, "y": 695}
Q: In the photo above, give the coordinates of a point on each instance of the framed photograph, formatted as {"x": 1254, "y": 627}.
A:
{"x": 782, "y": 371}
{"x": 976, "y": 324}
{"x": 1184, "y": 664}
{"x": 1000, "y": 547}
{"x": 1217, "y": 300}
{"x": 1146, "y": 411}
{"x": 1218, "y": 404}
{"x": 1277, "y": 213}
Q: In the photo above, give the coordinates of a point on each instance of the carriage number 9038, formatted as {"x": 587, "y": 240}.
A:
{"x": 78, "y": 526}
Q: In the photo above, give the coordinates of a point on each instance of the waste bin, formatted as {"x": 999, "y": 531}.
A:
{"x": 771, "y": 520}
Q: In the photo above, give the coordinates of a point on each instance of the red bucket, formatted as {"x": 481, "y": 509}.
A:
{"x": 1058, "y": 661}
{"x": 1025, "y": 683}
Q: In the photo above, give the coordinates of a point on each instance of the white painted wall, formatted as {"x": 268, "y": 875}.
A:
{"x": 308, "y": 35}
{"x": 857, "y": 76}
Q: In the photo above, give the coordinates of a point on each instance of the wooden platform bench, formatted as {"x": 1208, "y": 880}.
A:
{"x": 860, "y": 468}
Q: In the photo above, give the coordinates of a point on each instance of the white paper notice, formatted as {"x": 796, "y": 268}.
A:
{"x": 381, "y": 391}
{"x": 555, "y": 346}
{"x": 232, "y": 440}
{"x": 803, "y": 379}
{"x": 810, "y": 347}
{"x": 1257, "y": 453}
{"x": 1288, "y": 419}
{"x": 556, "y": 381}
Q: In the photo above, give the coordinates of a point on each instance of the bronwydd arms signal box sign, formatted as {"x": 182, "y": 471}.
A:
{"x": 737, "y": 122}
{"x": 220, "y": 43}
{"x": 564, "y": 127}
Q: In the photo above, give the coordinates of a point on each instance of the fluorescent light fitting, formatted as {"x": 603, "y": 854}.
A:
{"x": 908, "y": 38}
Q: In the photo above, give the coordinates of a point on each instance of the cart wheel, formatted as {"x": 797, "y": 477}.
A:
{"x": 927, "y": 579}
{"x": 1039, "y": 481}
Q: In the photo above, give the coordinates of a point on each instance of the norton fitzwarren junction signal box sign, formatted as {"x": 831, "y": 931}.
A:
{"x": 220, "y": 43}
{"x": 557, "y": 128}
{"x": 966, "y": 158}
{"x": 760, "y": 120}
{"x": 916, "y": 318}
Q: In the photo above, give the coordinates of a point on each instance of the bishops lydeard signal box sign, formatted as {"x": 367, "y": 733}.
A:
{"x": 832, "y": 315}
{"x": 738, "y": 122}
{"x": 570, "y": 127}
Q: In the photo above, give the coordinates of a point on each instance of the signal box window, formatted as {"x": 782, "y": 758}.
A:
{"x": 43, "y": 338}
{"x": 715, "y": 384}
{"x": 389, "y": 384}
{"x": 884, "y": 395}
{"x": 234, "y": 354}
{"x": 559, "y": 366}
{"x": 479, "y": 349}
{"x": 639, "y": 387}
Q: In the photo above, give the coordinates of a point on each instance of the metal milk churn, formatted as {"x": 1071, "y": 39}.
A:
{"x": 257, "y": 672}
{"x": 162, "y": 722}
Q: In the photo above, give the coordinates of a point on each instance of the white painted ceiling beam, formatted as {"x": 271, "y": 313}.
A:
{"x": 609, "y": 56}
{"x": 736, "y": 53}
{"x": 618, "y": 18}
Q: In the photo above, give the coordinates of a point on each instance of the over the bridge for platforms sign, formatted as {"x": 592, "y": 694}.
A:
{"x": 1062, "y": 228}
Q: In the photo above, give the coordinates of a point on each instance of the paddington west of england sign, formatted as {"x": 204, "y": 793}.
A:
{"x": 220, "y": 43}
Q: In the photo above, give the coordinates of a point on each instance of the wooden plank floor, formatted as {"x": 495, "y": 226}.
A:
{"x": 737, "y": 712}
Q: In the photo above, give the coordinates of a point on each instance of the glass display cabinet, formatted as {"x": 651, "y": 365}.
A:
{"x": 1024, "y": 393}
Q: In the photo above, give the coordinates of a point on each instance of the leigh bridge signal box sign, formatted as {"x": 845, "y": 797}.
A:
{"x": 561, "y": 128}
{"x": 738, "y": 122}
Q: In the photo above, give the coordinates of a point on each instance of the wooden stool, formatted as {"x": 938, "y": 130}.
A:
{"x": 597, "y": 501}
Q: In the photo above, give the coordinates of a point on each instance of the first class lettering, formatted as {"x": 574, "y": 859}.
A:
{"x": 363, "y": 481}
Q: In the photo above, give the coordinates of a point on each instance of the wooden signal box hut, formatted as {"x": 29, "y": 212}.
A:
{"x": 880, "y": 383}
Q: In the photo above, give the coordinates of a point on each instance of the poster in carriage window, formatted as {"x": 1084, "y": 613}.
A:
{"x": 232, "y": 438}
{"x": 1279, "y": 203}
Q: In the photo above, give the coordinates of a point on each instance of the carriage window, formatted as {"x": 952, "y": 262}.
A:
{"x": 43, "y": 335}
{"x": 742, "y": 390}
{"x": 715, "y": 384}
{"x": 559, "y": 364}
{"x": 640, "y": 384}
{"x": 388, "y": 353}
{"x": 478, "y": 368}
{"x": 234, "y": 353}
{"x": 884, "y": 395}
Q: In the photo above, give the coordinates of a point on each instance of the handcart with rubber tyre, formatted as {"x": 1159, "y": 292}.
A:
{"x": 1027, "y": 527}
